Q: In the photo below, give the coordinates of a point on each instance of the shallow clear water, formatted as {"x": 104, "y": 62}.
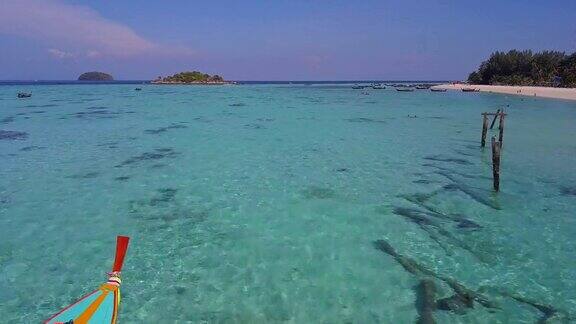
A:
{"x": 263, "y": 203}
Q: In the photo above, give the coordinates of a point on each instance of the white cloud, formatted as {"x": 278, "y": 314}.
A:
{"x": 78, "y": 28}
{"x": 61, "y": 54}
{"x": 93, "y": 54}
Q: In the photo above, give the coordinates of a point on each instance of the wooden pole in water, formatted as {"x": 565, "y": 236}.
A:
{"x": 494, "y": 120}
{"x": 496, "y": 164}
{"x": 484, "y": 129}
{"x": 501, "y": 129}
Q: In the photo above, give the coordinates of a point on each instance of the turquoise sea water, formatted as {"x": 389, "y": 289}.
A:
{"x": 265, "y": 203}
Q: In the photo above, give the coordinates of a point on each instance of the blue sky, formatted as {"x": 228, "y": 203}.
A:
{"x": 274, "y": 40}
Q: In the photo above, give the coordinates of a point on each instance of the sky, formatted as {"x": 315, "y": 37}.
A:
{"x": 274, "y": 39}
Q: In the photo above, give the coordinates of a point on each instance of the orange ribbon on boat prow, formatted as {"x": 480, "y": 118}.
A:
{"x": 121, "y": 248}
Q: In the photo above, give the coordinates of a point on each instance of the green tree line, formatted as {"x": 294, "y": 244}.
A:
{"x": 546, "y": 68}
{"x": 193, "y": 77}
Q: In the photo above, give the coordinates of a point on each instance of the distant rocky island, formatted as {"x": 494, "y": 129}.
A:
{"x": 95, "y": 76}
{"x": 193, "y": 77}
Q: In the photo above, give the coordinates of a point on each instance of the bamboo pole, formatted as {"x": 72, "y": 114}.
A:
{"x": 501, "y": 129}
{"x": 484, "y": 129}
{"x": 496, "y": 164}
{"x": 494, "y": 119}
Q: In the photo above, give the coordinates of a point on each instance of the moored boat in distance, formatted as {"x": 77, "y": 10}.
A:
{"x": 101, "y": 305}
{"x": 405, "y": 89}
{"x": 378, "y": 86}
{"x": 24, "y": 95}
{"x": 470, "y": 90}
{"x": 438, "y": 90}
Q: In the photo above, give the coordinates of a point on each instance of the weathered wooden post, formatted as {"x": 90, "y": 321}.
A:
{"x": 501, "y": 128}
{"x": 496, "y": 164}
{"x": 484, "y": 129}
{"x": 494, "y": 119}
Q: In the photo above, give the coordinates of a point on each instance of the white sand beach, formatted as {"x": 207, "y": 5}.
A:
{"x": 544, "y": 92}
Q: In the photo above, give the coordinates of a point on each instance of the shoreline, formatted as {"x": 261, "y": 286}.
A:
{"x": 542, "y": 92}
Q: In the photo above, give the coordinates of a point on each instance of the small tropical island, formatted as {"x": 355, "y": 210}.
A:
{"x": 194, "y": 77}
{"x": 95, "y": 76}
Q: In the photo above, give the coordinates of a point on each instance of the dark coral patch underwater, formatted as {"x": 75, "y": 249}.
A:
{"x": 365, "y": 120}
{"x": 31, "y": 148}
{"x": 568, "y": 191}
{"x": 440, "y": 158}
{"x": 159, "y": 130}
{"x": 87, "y": 175}
{"x": 315, "y": 192}
{"x": 254, "y": 126}
{"x": 12, "y": 135}
{"x": 157, "y": 154}
{"x": 7, "y": 120}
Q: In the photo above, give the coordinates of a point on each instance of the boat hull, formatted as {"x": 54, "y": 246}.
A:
{"x": 101, "y": 305}
{"x": 97, "y": 307}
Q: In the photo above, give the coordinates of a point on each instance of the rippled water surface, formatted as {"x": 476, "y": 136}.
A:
{"x": 276, "y": 203}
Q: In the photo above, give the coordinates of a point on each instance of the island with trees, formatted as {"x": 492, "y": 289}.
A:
{"x": 95, "y": 76}
{"x": 193, "y": 77}
{"x": 525, "y": 68}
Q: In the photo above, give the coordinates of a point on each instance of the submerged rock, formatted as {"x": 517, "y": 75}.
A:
{"x": 314, "y": 192}
{"x": 12, "y": 135}
{"x": 365, "y": 120}
{"x": 568, "y": 191}
{"x": 157, "y": 154}
{"x": 464, "y": 296}
{"x": 254, "y": 126}
{"x": 164, "y": 129}
{"x": 180, "y": 290}
{"x": 414, "y": 215}
{"x": 424, "y": 181}
{"x": 165, "y": 195}
{"x": 458, "y": 304}
{"x": 31, "y": 148}
{"x": 439, "y": 158}
{"x": 426, "y": 301}
{"x": 467, "y": 224}
{"x": 88, "y": 175}
{"x": 7, "y": 120}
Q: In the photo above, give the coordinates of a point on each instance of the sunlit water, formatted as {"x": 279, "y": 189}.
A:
{"x": 262, "y": 203}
